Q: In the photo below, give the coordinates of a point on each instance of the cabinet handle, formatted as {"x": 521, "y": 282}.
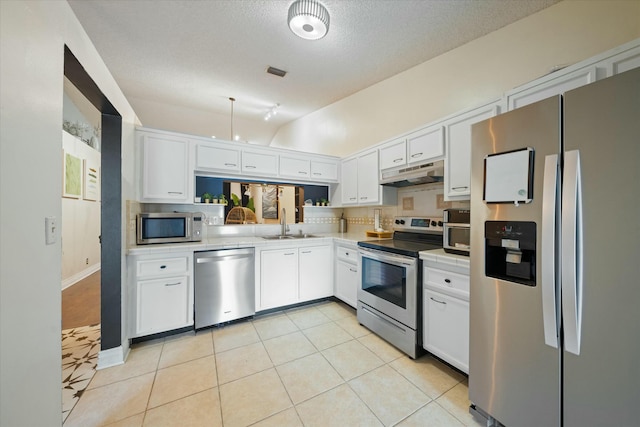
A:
{"x": 416, "y": 155}
{"x": 174, "y": 192}
{"x": 397, "y": 160}
{"x": 364, "y": 198}
{"x": 306, "y": 252}
{"x": 459, "y": 188}
{"x": 302, "y": 172}
{"x": 353, "y": 270}
{"x": 249, "y": 167}
{"x": 353, "y": 198}
{"x": 290, "y": 253}
{"x": 230, "y": 164}
{"x": 435, "y": 300}
{"x": 447, "y": 280}
{"x": 317, "y": 173}
{"x": 162, "y": 267}
{"x": 172, "y": 284}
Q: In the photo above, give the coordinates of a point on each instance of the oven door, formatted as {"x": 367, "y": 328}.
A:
{"x": 388, "y": 283}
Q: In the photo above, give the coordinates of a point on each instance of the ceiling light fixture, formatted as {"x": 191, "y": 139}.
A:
{"x": 308, "y": 19}
{"x": 272, "y": 112}
{"x": 237, "y": 137}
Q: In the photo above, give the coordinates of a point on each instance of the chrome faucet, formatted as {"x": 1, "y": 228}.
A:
{"x": 283, "y": 223}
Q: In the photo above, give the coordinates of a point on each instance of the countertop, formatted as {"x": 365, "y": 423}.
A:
{"x": 440, "y": 257}
{"x": 225, "y": 242}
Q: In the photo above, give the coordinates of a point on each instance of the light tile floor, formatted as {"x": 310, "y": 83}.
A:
{"x": 309, "y": 366}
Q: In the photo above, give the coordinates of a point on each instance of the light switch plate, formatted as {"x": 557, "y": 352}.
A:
{"x": 50, "y": 229}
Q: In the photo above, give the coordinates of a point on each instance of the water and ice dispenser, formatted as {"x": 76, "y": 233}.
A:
{"x": 510, "y": 251}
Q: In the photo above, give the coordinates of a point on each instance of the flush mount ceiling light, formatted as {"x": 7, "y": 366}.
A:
{"x": 308, "y": 19}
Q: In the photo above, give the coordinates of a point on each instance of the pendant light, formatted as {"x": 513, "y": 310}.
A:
{"x": 232, "y": 101}
{"x": 308, "y": 19}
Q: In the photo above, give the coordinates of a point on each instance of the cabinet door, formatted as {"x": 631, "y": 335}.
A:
{"x": 368, "y": 187}
{"x": 347, "y": 282}
{"x": 315, "y": 272}
{"x": 349, "y": 182}
{"x": 165, "y": 169}
{"x": 394, "y": 155}
{"x": 446, "y": 328}
{"x": 212, "y": 157}
{"x": 554, "y": 86}
{"x": 278, "y": 277}
{"x": 293, "y": 167}
{"x": 259, "y": 163}
{"x": 324, "y": 170}
{"x": 426, "y": 144}
{"x": 162, "y": 305}
{"x": 457, "y": 172}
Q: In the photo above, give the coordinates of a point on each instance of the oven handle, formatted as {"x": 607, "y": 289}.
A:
{"x": 388, "y": 257}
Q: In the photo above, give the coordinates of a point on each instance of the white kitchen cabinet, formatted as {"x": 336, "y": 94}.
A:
{"x": 166, "y": 175}
{"x": 446, "y": 328}
{"x": 161, "y": 293}
{"x": 314, "y": 272}
{"x": 624, "y": 61}
{"x": 259, "y": 162}
{"x": 278, "y": 277}
{"x": 457, "y": 171}
{"x": 324, "y": 170}
{"x": 360, "y": 182}
{"x": 548, "y": 86}
{"x": 346, "y": 283}
{"x": 163, "y": 305}
{"x": 425, "y": 145}
{"x": 298, "y": 168}
{"x": 393, "y": 155}
{"x": 216, "y": 157}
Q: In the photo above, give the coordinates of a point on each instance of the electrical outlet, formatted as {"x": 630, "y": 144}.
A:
{"x": 86, "y": 261}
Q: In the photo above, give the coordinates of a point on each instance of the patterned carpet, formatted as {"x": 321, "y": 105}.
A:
{"x": 80, "y": 347}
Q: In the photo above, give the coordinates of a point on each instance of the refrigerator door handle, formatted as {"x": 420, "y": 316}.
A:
{"x": 548, "y": 251}
{"x": 572, "y": 252}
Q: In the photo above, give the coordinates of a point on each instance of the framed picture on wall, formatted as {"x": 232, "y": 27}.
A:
{"x": 91, "y": 180}
{"x": 72, "y": 176}
{"x": 270, "y": 202}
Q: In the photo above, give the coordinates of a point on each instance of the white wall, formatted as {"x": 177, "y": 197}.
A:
{"x": 80, "y": 223}
{"x": 32, "y": 39}
{"x": 479, "y": 71}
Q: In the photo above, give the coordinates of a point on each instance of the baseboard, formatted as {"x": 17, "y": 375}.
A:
{"x": 69, "y": 281}
{"x": 112, "y": 357}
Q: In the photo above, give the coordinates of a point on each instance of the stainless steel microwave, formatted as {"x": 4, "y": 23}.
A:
{"x": 456, "y": 231}
{"x": 173, "y": 227}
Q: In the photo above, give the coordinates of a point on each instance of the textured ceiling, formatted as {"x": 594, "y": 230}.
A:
{"x": 191, "y": 56}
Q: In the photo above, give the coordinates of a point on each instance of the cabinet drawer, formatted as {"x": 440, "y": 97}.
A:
{"x": 349, "y": 255}
{"x": 453, "y": 283}
{"x": 166, "y": 266}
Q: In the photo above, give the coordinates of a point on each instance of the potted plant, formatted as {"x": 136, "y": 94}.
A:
{"x": 323, "y": 202}
{"x": 207, "y": 197}
{"x": 318, "y": 202}
{"x": 223, "y": 199}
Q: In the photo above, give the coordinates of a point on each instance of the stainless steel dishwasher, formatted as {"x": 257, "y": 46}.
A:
{"x": 224, "y": 286}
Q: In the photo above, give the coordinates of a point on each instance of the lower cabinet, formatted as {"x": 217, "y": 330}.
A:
{"x": 161, "y": 293}
{"x": 292, "y": 275}
{"x": 446, "y": 328}
{"x": 346, "y": 283}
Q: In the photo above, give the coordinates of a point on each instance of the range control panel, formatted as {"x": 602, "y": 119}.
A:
{"x": 417, "y": 224}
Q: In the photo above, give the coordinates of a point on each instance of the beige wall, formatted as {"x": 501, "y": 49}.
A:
{"x": 32, "y": 39}
{"x": 482, "y": 70}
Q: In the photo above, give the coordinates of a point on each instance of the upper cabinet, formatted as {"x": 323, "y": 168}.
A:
{"x": 213, "y": 156}
{"x": 166, "y": 171}
{"x": 418, "y": 147}
{"x": 360, "y": 177}
{"x": 295, "y": 167}
{"x": 259, "y": 162}
{"x": 324, "y": 170}
{"x": 457, "y": 170}
{"x": 550, "y": 85}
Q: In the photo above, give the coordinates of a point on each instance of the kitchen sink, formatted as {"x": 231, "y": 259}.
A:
{"x": 289, "y": 236}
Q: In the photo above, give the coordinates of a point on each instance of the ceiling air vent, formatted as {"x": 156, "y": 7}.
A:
{"x": 276, "y": 72}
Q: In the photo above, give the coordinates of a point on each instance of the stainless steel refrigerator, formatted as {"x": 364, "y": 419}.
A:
{"x": 555, "y": 260}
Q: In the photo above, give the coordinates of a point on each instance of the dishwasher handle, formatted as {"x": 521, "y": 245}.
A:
{"x": 226, "y": 254}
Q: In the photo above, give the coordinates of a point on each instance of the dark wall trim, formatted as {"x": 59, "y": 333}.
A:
{"x": 111, "y": 206}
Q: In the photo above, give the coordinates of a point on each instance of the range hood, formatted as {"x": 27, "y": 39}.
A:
{"x": 427, "y": 173}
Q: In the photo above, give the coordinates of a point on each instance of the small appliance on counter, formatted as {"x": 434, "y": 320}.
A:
{"x": 168, "y": 227}
{"x": 457, "y": 231}
{"x": 343, "y": 224}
